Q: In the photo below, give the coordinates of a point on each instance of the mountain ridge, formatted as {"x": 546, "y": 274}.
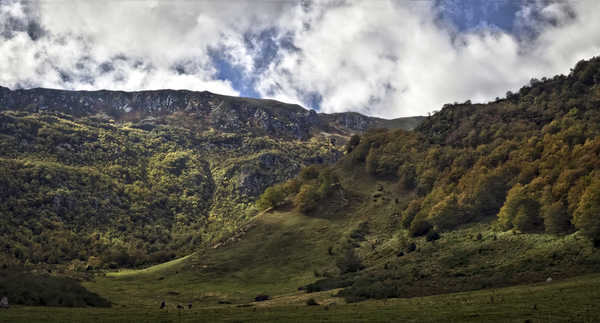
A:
{"x": 224, "y": 112}
{"x": 161, "y": 171}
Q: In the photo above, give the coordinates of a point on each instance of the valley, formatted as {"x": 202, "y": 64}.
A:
{"x": 477, "y": 212}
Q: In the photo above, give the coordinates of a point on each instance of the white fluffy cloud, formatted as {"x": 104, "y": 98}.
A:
{"x": 389, "y": 59}
{"x": 382, "y": 58}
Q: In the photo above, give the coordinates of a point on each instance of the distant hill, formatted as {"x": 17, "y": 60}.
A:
{"x": 116, "y": 178}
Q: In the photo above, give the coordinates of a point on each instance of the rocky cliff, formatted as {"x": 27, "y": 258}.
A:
{"x": 224, "y": 113}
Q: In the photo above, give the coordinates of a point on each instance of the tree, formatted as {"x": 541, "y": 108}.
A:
{"x": 446, "y": 214}
{"x": 307, "y": 198}
{"x": 556, "y": 218}
{"x": 308, "y": 173}
{"x": 353, "y": 142}
{"x": 349, "y": 262}
{"x": 587, "y": 214}
{"x": 411, "y": 211}
{"x": 272, "y": 197}
{"x": 419, "y": 227}
{"x": 527, "y": 218}
{"x": 520, "y": 211}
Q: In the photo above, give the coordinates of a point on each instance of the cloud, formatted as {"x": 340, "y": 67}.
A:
{"x": 390, "y": 59}
{"x": 381, "y": 58}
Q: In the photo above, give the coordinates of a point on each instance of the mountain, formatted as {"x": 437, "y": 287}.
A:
{"x": 129, "y": 178}
{"x": 202, "y": 110}
{"x": 477, "y": 196}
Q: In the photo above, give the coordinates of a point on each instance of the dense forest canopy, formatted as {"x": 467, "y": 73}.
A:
{"x": 90, "y": 191}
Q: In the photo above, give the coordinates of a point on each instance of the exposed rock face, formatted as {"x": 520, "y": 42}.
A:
{"x": 224, "y": 113}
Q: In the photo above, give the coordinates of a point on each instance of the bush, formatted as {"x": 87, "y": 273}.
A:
{"x": 360, "y": 233}
{"x": 419, "y": 228}
{"x": 311, "y": 302}
{"x": 353, "y": 142}
{"x": 272, "y": 197}
{"x": 307, "y": 198}
{"x": 432, "y": 236}
{"x": 327, "y": 182}
{"x": 262, "y": 298}
{"x": 407, "y": 176}
{"x": 308, "y": 173}
{"x": 44, "y": 290}
{"x": 292, "y": 186}
{"x": 360, "y": 152}
{"x": 349, "y": 262}
{"x": 366, "y": 288}
{"x": 408, "y": 215}
{"x": 411, "y": 247}
{"x": 327, "y": 284}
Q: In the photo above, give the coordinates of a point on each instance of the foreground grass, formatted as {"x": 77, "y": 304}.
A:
{"x": 572, "y": 300}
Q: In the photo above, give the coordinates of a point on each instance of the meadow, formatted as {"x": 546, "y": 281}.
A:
{"x": 571, "y": 300}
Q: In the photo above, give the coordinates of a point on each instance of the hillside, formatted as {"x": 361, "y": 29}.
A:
{"x": 478, "y": 196}
{"x": 101, "y": 178}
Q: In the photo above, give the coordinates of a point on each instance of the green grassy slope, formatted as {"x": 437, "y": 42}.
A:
{"x": 278, "y": 253}
{"x": 439, "y": 210}
{"x": 573, "y": 300}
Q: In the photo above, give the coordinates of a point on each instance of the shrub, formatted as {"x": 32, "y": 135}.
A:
{"x": 327, "y": 284}
{"x": 307, "y": 198}
{"x": 411, "y": 247}
{"x": 311, "y": 302}
{"x": 33, "y": 289}
{"x": 327, "y": 183}
{"x": 359, "y": 233}
{"x": 366, "y": 288}
{"x": 408, "y": 215}
{"x": 262, "y": 298}
{"x": 419, "y": 228}
{"x": 360, "y": 152}
{"x": 292, "y": 186}
{"x": 432, "y": 236}
{"x": 308, "y": 173}
{"x": 407, "y": 176}
{"x": 349, "y": 262}
{"x": 353, "y": 142}
{"x": 272, "y": 197}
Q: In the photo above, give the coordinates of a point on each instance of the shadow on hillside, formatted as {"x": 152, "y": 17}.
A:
{"x": 25, "y": 288}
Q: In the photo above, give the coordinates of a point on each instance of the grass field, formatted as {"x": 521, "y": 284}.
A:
{"x": 572, "y": 300}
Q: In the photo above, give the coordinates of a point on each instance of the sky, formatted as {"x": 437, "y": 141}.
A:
{"x": 380, "y": 58}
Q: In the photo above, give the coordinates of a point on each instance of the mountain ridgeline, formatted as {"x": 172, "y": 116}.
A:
{"x": 104, "y": 178}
